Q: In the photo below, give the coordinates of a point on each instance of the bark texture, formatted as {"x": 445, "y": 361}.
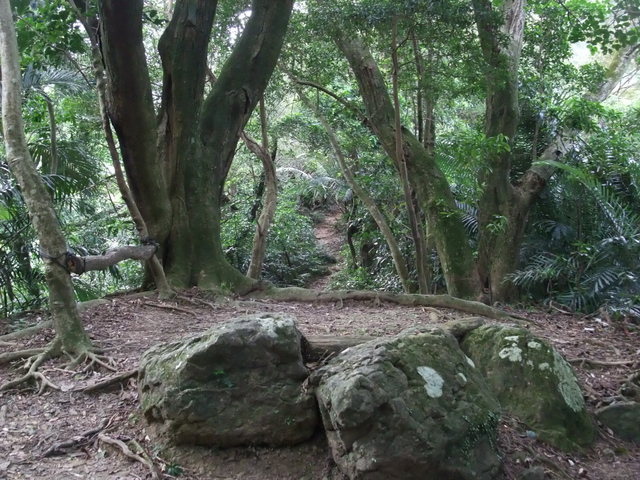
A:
{"x": 503, "y": 209}
{"x": 177, "y": 161}
{"x": 69, "y": 330}
{"x": 429, "y": 182}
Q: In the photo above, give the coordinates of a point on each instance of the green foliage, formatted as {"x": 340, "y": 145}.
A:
{"x": 593, "y": 261}
{"x": 47, "y": 32}
{"x": 292, "y": 256}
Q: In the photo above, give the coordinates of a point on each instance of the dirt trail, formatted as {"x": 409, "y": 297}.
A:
{"x": 331, "y": 240}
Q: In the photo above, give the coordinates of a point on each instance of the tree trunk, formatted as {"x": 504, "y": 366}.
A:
{"x": 177, "y": 166}
{"x": 69, "y": 330}
{"x": 502, "y": 212}
{"x": 401, "y": 161}
{"x": 130, "y": 108}
{"x": 504, "y": 207}
{"x": 90, "y": 24}
{"x": 225, "y": 112}
{"x": 183, "y": 49}
{"x": 270, "y": 196}
{"x": 428, "y": 180}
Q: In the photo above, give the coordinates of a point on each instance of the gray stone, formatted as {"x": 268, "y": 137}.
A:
{"x": 623, "y": 419}
{"x": 533, "y": 382}
{"x": 239, "y": 383}
{"x": 408, "y": 407}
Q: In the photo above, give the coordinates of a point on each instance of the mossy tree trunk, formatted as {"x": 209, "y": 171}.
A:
{"x": 70, "y": 334}
{"x": 178, "y": 159}
{"x": 429, "y": 182}
{"x": 502, "y": 207}
{"x": 505, "y": 202}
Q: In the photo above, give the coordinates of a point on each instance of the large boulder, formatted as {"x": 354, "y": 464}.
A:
{"x": 623, "y": 419}
{"x": 533, "y": 382}
{"x": 408, "y": 407}
{"x": 240, "y": 383}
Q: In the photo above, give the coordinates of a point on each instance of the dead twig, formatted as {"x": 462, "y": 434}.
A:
{"x": 108, "y": 382}
{"x": 170, "y": 307}
{"x": 85, "y": 438}
{"x": 602, "y": 363}
{"x": 126, "y": 451}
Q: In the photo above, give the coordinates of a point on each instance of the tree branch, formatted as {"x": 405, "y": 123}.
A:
{"x": 79, "y": 265}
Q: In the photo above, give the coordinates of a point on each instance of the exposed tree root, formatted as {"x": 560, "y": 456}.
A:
{"x": 120, "y": 445}
{"x": 92, "y": 359}
{"x": 19, "y": 355}
{"x": 37, "y": 356}
{"x": 77, "y": 441}
{"x": 108, "y": 382}
{"x": 31, "y": 365}
{"x": 196, "y": 301}
{"x": 170, "y": 307}
{"x": 443, "y": 301}
{"x": 25, "y": 332}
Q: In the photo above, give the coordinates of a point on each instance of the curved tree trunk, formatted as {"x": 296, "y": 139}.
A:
{"x": 430, "y": 184}
{"x": 155, "y": 267}
{"x": 414, "y": 219}
{"x": 270, "y": 196}
{"x": 70, "y": 333}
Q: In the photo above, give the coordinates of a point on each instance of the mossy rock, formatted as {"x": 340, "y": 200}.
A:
{"x": 409, "y": 407}
{"x": 533, "y": 382}
{"x": 239, "y": 383}
{"x": 623, "y": 419}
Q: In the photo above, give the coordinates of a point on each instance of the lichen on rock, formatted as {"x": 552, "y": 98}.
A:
{"x": 533, "y": 382}
{"x": 433, "y": 381}
{"x": 380, "y": 424}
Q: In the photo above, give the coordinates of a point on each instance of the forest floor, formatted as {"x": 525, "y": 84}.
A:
{"x": 125, "y": 326}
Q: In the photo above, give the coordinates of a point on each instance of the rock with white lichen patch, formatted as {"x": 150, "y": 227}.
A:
{"x": 533, "y": 382}
{"x": 239, "y": 383}
{"x": 408, "y": 407}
